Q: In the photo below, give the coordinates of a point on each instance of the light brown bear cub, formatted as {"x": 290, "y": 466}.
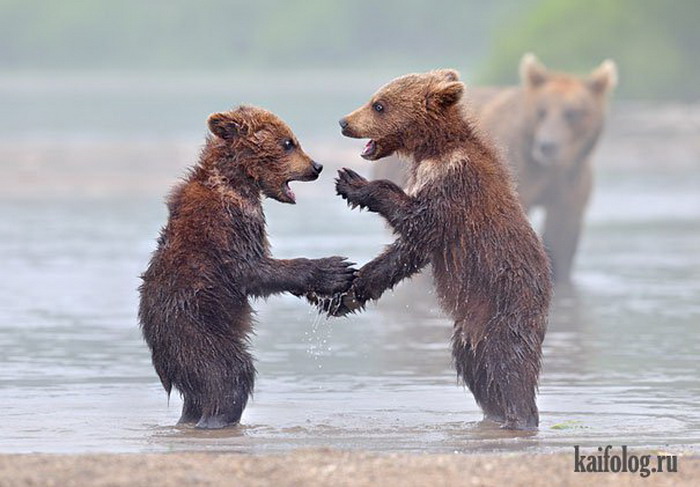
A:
{"x": 548, "y": 128}
{"x": 213, "y": 255}
{"x": 461, "y": 215}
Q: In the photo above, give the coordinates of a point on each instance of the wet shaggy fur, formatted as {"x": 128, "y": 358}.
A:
{"x": 461, "y": 215}
{"x": 213, "y": 255}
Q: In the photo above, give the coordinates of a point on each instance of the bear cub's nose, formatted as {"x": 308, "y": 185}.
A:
{"x": 343, "y": 123}
{"x": 317, "y": 167}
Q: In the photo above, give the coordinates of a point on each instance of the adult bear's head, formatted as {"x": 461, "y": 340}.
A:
{"x": 564, "y": 113}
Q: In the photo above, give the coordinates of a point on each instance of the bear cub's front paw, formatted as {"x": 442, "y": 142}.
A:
{"x": 331, "y": 275}
{"x": 341, "y": 304}
{"x": 345, "y": 304}
{"x": 352, "y": 188}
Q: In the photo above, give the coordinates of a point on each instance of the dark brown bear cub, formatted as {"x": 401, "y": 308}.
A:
{"x": 213, "y": 254}
{"x": 461, "y": 215}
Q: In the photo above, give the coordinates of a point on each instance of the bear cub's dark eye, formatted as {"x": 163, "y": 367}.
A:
{"x": 288, "y": 144}
{"x": 378, "y": 107}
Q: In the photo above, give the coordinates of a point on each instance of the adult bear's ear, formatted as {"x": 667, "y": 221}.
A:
{"x": 603, "y": 78}
{"x": 444, "y": 95}
{"x": 223, "y": 125}
{"x": 532, "y": 72}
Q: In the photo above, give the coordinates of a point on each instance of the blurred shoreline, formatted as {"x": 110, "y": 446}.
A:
{"x": 46, "y": 168}
{"x": 646, "y": 137}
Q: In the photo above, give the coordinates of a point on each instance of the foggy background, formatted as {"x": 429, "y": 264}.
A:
{"x": 103, "y": 105}
{"x": 101, "y": 96}
{"x": 78, "y": 79}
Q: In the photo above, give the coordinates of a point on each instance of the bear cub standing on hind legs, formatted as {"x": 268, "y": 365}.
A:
{"x": 461, "y": 215}
{"x": 213, "y": 254}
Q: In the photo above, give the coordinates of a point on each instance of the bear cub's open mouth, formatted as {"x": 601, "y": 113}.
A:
{"x": 287, "y": 191}
{"x": 370, "y": 149}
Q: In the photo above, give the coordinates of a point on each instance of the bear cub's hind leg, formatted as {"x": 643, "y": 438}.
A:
{"x": 228, "y": 394}
{"x": 191, "y": 411}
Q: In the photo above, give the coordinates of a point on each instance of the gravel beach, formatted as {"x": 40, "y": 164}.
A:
{"x": 318, "y": 467}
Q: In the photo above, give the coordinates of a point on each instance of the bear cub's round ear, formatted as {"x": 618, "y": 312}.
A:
{"x": 447, "y": 74}
{"x": 445, "y": 94}
{"x": 223, "y": 126}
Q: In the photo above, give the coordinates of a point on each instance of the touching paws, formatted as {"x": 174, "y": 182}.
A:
{"x": 351, "y": 187}
{"x": 339, "y": 305}
{"x": 351, "y": 301}
{"x": 331, "y": 276}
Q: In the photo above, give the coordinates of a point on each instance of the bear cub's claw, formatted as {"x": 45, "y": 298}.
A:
{"x": 341, "y": 304}
{"x": 332, "y": 275}
{"x": 349, "y": 185}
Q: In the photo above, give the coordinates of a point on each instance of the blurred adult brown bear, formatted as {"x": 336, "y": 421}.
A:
{"x": 547, "y": 127}
{"x": 213, "y": 254}
{"x": 460, "y": 214}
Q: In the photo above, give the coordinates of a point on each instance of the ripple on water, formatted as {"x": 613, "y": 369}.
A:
{"x": 620, "y": 355}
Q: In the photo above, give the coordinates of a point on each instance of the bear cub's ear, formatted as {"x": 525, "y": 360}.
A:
{"x": 445, "y": 94}
{"x": 223, "y": 125}
{"x": 447, "y": 74}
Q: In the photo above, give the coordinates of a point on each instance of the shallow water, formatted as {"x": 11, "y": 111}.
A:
{"x": 620, "y": 356}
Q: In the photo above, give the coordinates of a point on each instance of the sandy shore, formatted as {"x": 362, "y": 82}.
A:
{"x": 318, "y": 467}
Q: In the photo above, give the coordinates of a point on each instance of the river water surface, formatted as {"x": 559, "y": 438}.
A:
{"x": 621, "y": 354}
